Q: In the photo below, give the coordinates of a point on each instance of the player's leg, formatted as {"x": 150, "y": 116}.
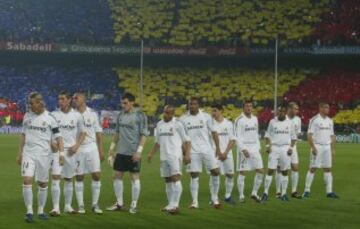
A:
{"x": 119, "y": 167}
{"x": 212, "y": 165}
{"x": 242, "y": 167}
{"x": 55, "y": 184}
{"x": 272, "y": 166}
{"x": 79, "y": 181}
{"x": 328, "y": 177}
{"x": 278, "y": 182}
{"x": 176, "y": 193}
{"x": 284, "y": 167}
{"x": 257, "y": 164}
{"x": 166, "y": 174}
{"x": 135, "y": 191}
{"x": 314, "y": 164}
{"x": 92, "y": 165}
{"x": 227, "y": 168}
{"x": 294, "y": 174}
{"x": 28, "y": 171}
{"x": 68, "y": 173}
{"x": 194, "y": 169}
{"x": 134, "y": 169}
{"x": 43, "y": 165}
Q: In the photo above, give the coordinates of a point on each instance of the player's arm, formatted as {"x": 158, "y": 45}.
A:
{"x": 152, "y": 152}
{"x": 333, "y": 140}
{"x": 267, "y": 138}
{"x": 229, "y": 147}
{"x": 81, "y": 137}
{"x": 215, "y": 137}
{"x": 310, "y": 137}
{"x": 293, "y": 133}
{"x": 99, "y": 142}
{"x": 186, "y": 146}
{"x": 21, "y": 147}
{"x": 144, "y": 131}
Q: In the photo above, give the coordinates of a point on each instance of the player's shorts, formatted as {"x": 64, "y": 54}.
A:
{"x": 88, "y": 159}
{"x": 279, "y": 157}
{"x": 253, "y": 162}
{"x": 70, "y": 165}
{"x": 197, "y": 160}
{"x": 323, "y": 159}
{"x": 36, "y": 165}
{"x": 124, "y": 163}
{"x": 170, "y": 167}
{"x": 55, "y": 164}
{"x": 227, "y": 166}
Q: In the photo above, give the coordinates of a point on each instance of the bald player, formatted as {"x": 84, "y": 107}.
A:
{"x": 170, "y": 135}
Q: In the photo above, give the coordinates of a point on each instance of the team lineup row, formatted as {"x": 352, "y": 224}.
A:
{"x": 68, "y": 142}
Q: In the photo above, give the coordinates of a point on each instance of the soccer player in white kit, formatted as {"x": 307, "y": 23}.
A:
{"x": 280, "y": 141}
{"x": 225, "y": 131}
{"x": 322, "y": 139}
{"x": 71, "y": 126}
{"x": 170, "y": 135}
{"x": 198, "y": 126}
{"x": 39, "y": 128}
{"x": 292, "y": 114}
{"x": 89, "y": 155}
{"x": 248, "y": 153}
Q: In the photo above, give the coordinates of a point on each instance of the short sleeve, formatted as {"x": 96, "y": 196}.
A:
{"x": 293, "y": 132}
{"x": 156, "y": 134}
{"x": 81, "y": 124}
{"x": 312, "y": 125}
{"x": 181, "y": 130}
{"x": 231, "y": 131}
{"x": 332, "y": 128}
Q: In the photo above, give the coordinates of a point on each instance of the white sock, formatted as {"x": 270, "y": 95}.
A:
{"x": 294, "y": 181}
{"x": 309, "y": 180}
{"x": 229, "y": 185}
{"x": 177, "y": 190}
{"x": 95, "y": 188}
{"x": 42, "y": 196}
{"x": 194, "y": 188}
{"x": 79, "y": 191}
{"x": 241, "y": 185}
{"x": 169, "y": 192}
{"x": 278, "y": 182}
{"x": 214, "y": 189}
{"x": 135, "y": 192}
{"x": 328, "y": 178}
{"x": 267, "y": 184}
{"x": 257, "y": 183}
{"x": 28, "y": 198}
{"x": 68, "y": 193}
{"x": 119, "y": 190}
{"x": 284, "y": 184}
{"x": 55, "y": 194}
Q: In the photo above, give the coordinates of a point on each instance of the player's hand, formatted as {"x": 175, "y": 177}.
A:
{"x": 314, "y": 151}
{"x": 223, "y": 157}
{"x": 268, "y": 150}
{"x": 290, "y": 151}
{"x": 73, "y": 149}
{"x": 110, "y": 160}
{"x": 218, "y": 153}
{"x": 54, "y": 147}
{"x": 187, "y": 159}
{"x": 61, "y": 160}
{"x": 246, "y": 153}
{"x": 101, "y": 155}
{"x": 136, "y": 157}
{"x": 19, "y": 159}
{"x": 149, "y": 158}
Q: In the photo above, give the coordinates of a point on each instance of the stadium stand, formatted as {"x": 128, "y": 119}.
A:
{"x": 70, "y": 21}
{"x": 99, "y": 83}
{"x": 348, "y": 117}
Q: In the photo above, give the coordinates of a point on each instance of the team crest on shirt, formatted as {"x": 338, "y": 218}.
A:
{"x": 171, "y": 129}
{"x": 201, "y": 122}
{"x": 44, "y": 123}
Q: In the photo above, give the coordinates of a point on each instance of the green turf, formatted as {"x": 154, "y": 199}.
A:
{"x": 317, "y": 212}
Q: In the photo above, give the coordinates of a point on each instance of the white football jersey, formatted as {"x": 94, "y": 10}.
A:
{"x": 170, "y": 136}
{"x": 71, "y": 124}
{"x": 322, "y": 129}
{"x": 39, "y": 130}
{"x": 297, "y": 123}
{"x": 92, "y": 125}
{"x": 281, "y": 132}
{"x": 247, "y": 131}
{"x": 225, "y": 131}
{"x": 198, "y": 128}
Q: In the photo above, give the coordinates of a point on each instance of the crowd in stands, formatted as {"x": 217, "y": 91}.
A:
{"x": 100, "y": 84}
{"x": 54, "y": 21}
